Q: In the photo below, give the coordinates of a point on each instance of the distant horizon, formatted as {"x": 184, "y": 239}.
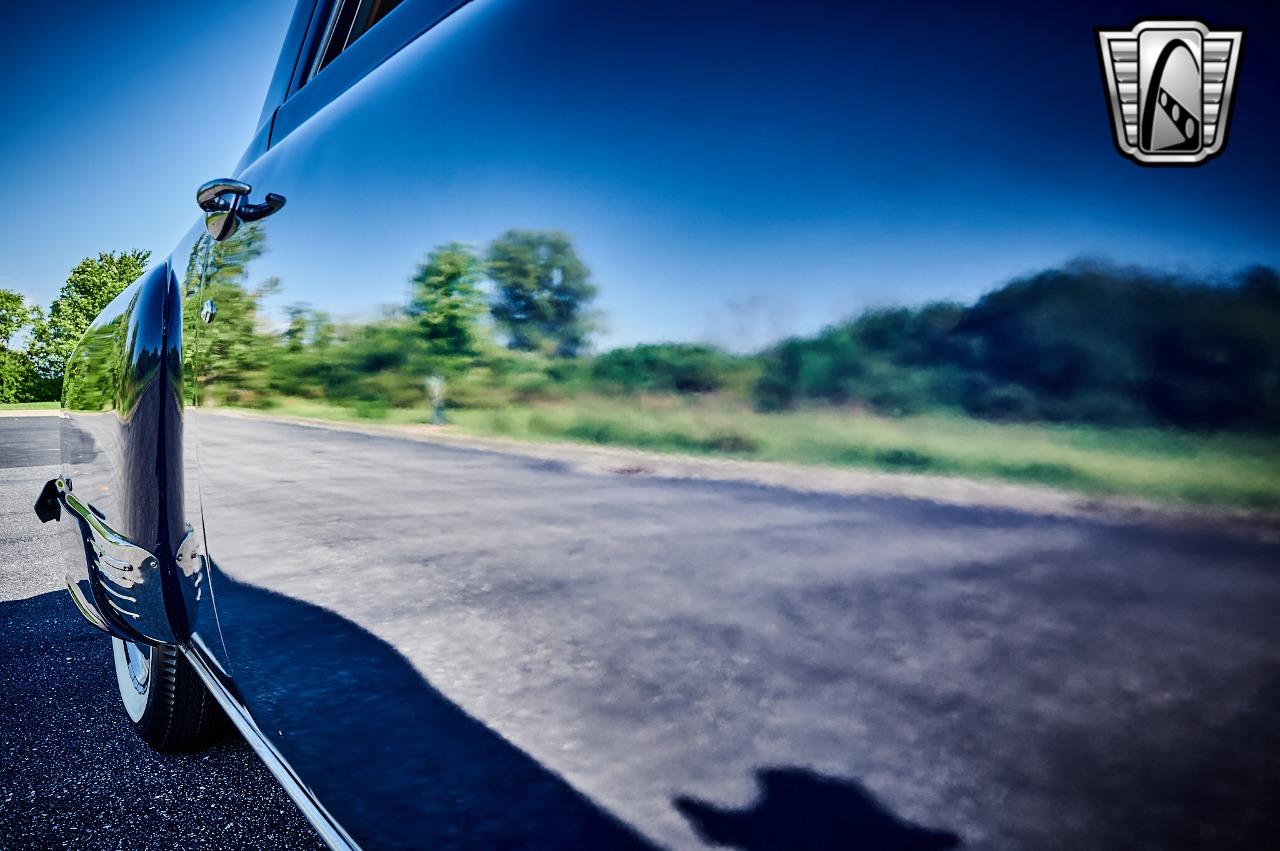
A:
{"x": 599, "y": 343}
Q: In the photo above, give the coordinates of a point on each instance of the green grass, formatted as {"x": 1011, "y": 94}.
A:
{"x": 29, "y": 406}
{"x": 360, "y": 413}
{"x": 1234, "y": 470}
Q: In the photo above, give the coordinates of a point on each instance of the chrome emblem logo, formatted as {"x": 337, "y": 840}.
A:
{"x": 1169, "y": 84}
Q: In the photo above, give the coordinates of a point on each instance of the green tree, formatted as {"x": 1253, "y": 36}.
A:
{"x": 229, "y": 357}
{"x": 673, "y": 368}
{"x": 14, "y": 316}
{"x": 295, "y": 334}
{"x": 90, "y": 287}
{"x": 310, "y": 361}
{"x": 447, "y": 301}
{"x": 542, "y": 291}
{"x": 16, "y": 374}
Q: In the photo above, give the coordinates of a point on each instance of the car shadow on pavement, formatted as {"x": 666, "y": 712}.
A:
{"x": 350, "y": 712}
{"x": 800, "y": 810}
{"x": 396, "y": 762}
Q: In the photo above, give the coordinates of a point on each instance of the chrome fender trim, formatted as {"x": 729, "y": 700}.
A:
{"x": 126, "y": 586}
{"x": 330, "y": 831}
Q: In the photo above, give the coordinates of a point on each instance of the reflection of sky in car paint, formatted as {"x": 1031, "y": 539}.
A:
{"x": 972, "y": 146}
{"x": 113, "y": 114}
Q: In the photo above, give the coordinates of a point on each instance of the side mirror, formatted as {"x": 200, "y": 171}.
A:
{"x": 220, "y": 199}
{"x": 224, "y": 204}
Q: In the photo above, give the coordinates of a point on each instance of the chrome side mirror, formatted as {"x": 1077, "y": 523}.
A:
{"x": 220, "y": 199}
{"x": 225, "y": 204}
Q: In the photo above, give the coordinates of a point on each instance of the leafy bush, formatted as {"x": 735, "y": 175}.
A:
{"x": 1086, "y": 343}
{"x": 670, "y": 368}
{"x": 18, "y": 379}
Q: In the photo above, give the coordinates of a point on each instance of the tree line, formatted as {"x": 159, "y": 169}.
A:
{"x": 483, "y": 320}
{"x": 1090, "y": 342}
{"x": 35, "y": 343}
{"x": 513, "y": 321}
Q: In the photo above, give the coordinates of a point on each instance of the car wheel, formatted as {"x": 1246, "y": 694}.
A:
{"x": 165, "y": 700}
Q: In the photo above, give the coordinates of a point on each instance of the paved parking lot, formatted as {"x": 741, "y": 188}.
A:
{"x": 963, "y": 676}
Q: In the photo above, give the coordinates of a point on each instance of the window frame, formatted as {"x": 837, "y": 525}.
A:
{"x": 361, "y": 9}
{"x": 312, "y": 87}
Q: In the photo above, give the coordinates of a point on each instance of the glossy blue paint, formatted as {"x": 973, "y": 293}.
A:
{"x": 438, "y": 639}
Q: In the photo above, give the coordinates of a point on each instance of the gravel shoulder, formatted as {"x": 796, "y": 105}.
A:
{"x": 947, "y": 490}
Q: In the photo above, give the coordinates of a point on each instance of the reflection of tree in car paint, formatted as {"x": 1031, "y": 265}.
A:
{"x": 1087, "y": 343}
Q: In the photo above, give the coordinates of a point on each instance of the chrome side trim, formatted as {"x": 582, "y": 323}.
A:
{"x": 89, "y": 612}
{"x": 125, "y": 583}
{"x": 208, "y": 657}
{"x": 330, "y": 831}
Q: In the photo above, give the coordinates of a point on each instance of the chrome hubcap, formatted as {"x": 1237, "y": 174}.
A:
{"x": 138, "y": 656}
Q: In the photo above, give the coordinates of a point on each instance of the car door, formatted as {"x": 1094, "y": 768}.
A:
{"x": 436, "y": 635}
{"x": 334, "y": 696}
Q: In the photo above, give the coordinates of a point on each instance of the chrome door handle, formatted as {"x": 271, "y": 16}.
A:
{"x": 225, "y": 206}
{"x": 254, "y": 212}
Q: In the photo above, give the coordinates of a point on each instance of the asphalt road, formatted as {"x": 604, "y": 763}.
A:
{"x": 72, "y": 773}
{"x": 897, "y": 673}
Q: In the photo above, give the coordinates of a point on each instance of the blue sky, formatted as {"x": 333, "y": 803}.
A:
{"x": 978, "y": 149}
{"x": 114, "y": 113}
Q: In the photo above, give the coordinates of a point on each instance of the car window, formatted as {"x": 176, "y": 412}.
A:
{"x": 349, "y": 20}
{"x": 335, "y": 60}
